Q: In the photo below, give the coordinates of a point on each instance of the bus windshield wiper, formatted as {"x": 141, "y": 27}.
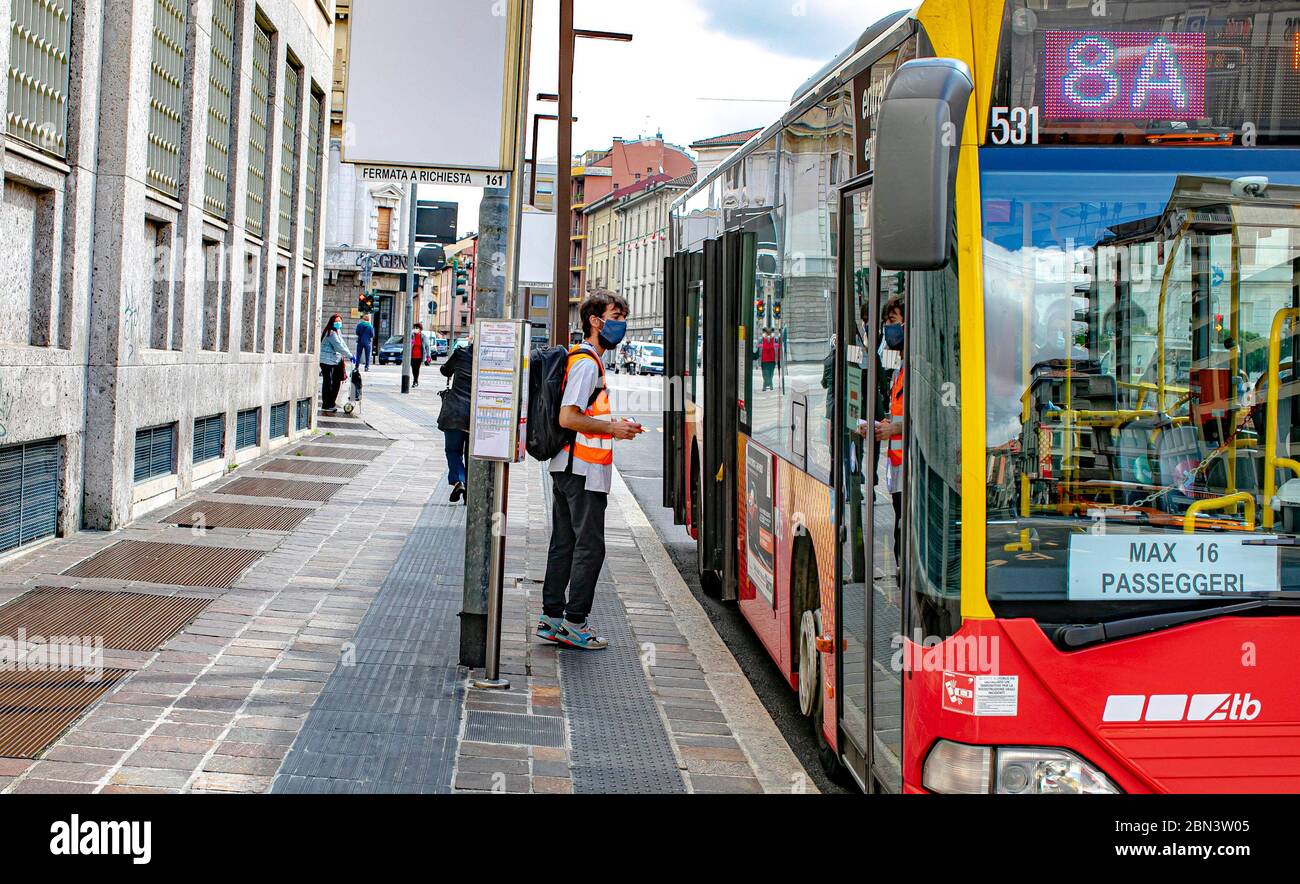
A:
{"x": 1082, "y": 635}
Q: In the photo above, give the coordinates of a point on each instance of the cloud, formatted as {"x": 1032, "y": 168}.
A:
{"x": 813, "y": 29}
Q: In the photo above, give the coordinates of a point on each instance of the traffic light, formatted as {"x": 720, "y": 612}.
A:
{"x": 462, "y": 279}
{"x": 366, "y": 302}
{"x": 776, "y": 309}
{"x": 759, "y": 308}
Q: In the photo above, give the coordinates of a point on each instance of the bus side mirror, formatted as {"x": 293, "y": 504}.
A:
{"x": 917, "y": 141}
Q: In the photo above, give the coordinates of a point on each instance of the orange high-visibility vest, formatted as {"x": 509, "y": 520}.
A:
{"x": 597, "y": 449}
{"x": 896, "y": 411}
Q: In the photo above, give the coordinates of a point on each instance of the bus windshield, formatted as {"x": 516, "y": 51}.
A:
{"x": 1142, "y": 312}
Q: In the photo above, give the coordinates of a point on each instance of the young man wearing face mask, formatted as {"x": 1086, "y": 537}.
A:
{"x": 582, "y": 475}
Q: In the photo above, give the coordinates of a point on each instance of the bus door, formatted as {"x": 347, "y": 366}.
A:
{"x": 674, "y": 390}
{"x": 869, "y": 613}
{"x": 723, "y": 270}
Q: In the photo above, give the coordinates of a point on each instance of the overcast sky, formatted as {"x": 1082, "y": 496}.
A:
{"x": 752, "y": 53}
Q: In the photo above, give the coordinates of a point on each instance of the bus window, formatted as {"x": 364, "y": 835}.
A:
{"x": 803, "y": 318}
{"x": 1128, "y": 328}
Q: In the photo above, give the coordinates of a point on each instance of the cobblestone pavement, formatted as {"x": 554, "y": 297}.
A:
{"x": 329, "y": 665}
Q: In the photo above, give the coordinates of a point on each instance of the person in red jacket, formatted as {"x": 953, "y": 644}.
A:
{"x": 768, "y": 353}
{"x": 417, "y": 353}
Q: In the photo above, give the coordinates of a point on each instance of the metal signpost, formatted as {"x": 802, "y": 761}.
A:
{"x": 498, "y": 432}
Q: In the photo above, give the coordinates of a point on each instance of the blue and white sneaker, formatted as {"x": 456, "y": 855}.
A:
{"x": 583, "y": 637}
{"x": 549, "y": 628}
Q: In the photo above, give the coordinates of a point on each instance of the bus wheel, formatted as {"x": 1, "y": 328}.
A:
{"x": 811, "y": 695}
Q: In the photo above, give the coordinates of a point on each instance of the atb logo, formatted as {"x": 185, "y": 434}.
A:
{"x": 1181, "y": 707}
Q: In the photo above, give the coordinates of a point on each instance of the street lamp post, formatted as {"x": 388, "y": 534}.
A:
{"x": 564, "y": 167}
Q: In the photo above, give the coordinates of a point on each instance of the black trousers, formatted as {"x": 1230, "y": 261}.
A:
{"x": 577, "y": 549}
{"x": 415, "y": 369}
{"x": 331, "y": 381}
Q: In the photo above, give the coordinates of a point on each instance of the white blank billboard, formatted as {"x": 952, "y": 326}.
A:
{"x": 537, "y": 250}
{"x": 433, "y": 83}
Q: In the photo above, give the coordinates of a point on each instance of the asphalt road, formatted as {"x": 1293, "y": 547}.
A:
{"x": 641, "y": 464}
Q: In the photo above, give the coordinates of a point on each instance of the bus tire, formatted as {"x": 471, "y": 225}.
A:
{"x": 805, "y": 590}
{"x": 812, "y": 697}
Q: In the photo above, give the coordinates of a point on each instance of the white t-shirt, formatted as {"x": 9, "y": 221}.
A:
{"x": 584, "y": 380}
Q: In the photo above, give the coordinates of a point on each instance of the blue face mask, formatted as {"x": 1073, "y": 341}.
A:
{"x": 338, "y": 325}
{"x": 613, "y": 332}
{"x": 894, "y": 336}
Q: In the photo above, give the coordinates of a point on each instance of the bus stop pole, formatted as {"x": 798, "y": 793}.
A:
{"x": 410, "y": 289}
{"x": 492, "y": 679}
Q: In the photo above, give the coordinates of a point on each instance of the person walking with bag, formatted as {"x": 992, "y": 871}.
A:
{"x": 334, "y": 358}
{"x": 453, "y": 418}
{"x": 582, "y": 474}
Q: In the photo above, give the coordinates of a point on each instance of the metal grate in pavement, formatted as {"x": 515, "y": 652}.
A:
{"x": 313, "y": 468}
{"x": 388, "y": 721}
{"x": 171, "y": 563}
{"x": 358, "y": 439}
{"x": 36, "y": 707}
{"x": 336, "y": 451}
{"x": 341, "y": 423}
{"x": 512, "y": 729}
{"x": 126, "y": 621}
{"x": 248, "y": 516}
{"x": 286, "y": 489}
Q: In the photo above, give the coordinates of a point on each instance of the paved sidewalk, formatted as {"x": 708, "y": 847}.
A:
{"x": 330, "y": 664}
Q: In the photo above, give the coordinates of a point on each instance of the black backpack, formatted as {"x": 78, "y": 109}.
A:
{"x": 546, "y": 372}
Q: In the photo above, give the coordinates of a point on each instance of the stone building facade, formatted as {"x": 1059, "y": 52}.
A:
{"x": 365, "y": 222}
{"x": 162, "y": 196}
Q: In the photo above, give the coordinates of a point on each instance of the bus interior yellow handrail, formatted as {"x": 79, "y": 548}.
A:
{"x": 1221, "y": 503}
{"x": 1271, "y": 461}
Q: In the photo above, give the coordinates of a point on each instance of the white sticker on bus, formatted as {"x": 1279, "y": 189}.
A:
{"x": 993, "y": 695}
{"x": 1134, "y": 567}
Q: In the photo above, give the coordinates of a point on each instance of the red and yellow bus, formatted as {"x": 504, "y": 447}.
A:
{"x": 1079, "y": 570}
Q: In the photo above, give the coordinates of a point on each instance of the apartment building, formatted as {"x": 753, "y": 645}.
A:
{"x": 162, "y": 168}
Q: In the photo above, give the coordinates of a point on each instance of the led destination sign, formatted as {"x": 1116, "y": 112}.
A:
{"x": 1115, "y": 75}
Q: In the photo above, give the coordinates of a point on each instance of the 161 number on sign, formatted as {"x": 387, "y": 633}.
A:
{"x": 1014, "y": 125}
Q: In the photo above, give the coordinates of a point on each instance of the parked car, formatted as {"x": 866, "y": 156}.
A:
{"x": 392, "y": 350}
{"x": 440, "y": 348}
{"x": 650, "y": 359}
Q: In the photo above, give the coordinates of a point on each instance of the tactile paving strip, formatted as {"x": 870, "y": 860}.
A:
{"x": 337, "y": 451}
{"x": 171, "y": 563}
{"x": 287, "y": 489}
{"x": 35, "y": 707}
{"x": 619, "y": 742}
{"x": 388, "y": 724}
{"x": 313, "y": 468}
{"x": 125, "y": 621}
{"x": 248, "y": 516}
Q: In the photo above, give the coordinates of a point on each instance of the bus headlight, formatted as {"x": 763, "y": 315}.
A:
{"x": 1048, "y": 772}
{"x": 961, "y": 769}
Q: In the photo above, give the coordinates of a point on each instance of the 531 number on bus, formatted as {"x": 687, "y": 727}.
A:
{"x": 1014, "y": 125}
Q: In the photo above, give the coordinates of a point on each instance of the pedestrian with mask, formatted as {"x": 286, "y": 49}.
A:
{"x": 334, "y": 359}
{"x": 582, "y": 475}
{"x": 365, "y": 341}
{"x": 453, "y": 419}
